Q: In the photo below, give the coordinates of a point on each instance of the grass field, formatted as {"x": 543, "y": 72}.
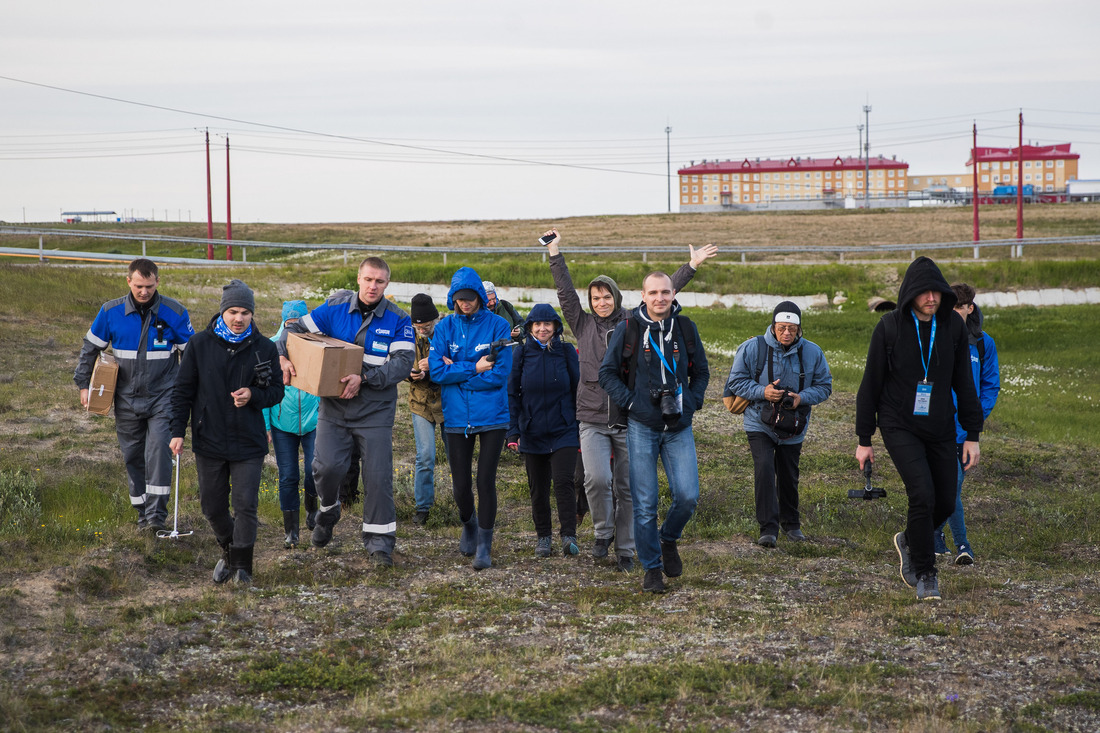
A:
{"x": 103, "y": 628}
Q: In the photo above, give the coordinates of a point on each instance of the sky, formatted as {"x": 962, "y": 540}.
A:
{"x": 341, "y": 111}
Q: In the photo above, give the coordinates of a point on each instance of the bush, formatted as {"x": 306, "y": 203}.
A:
{"x": 19, "y": 503}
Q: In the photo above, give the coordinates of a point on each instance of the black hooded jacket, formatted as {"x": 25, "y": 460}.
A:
{"x": 888, "y": 391}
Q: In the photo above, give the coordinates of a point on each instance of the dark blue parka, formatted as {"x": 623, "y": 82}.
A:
{"x": 542, "y": 389}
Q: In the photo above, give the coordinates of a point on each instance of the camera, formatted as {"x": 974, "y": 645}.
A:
{"x": 787, "y": 403}
{"x": 261, "y": 373}
{"x": 669, "y": 403}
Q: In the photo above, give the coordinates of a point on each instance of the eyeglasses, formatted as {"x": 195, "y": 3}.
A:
{"x": 786, "y": 328}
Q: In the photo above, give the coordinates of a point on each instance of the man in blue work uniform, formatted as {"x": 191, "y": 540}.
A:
{"x": 147, "y": 332}
{"x": 363, "y": 414}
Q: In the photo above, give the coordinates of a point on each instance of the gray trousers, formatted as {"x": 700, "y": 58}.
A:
{"x": 608, "y": 490}
{"x": 222, "y": 482}
{"x": 143, "y": 438}
{"x": 331, "y": 456}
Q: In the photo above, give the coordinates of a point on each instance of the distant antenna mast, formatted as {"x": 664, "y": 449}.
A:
{"x": 867, "y": 158}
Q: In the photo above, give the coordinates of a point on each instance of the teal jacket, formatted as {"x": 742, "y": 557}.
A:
{"x": 297, "y": 413}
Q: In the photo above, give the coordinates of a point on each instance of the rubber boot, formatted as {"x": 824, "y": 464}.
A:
{"x": 467, "y": 544}
{"x": 484, "y": 547}
{"x": 290, "y": 529}
{"x": 311, "y": 511}
{"x": 240, "y": 565}
{"x": 326, "y": 520}
{"x": 221, "y": 570}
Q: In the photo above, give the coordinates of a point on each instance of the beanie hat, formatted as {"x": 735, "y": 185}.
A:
{"x": 423, "y": 310}
{"x": 237, "y": 295}
{"x": 294, "y": 309}
{"x": 787, "y": 312}
{"x": 490, "y": 289}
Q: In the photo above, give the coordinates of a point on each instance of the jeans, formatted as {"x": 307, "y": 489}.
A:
{"x": 559, "y": 466}
{"x": 677, "y": 453}
{"x": 608, "y": 486}
{"x": 286, "y": 456}
{"x": 424, "y": 485}
{"x": 957, "y": 520}
{"x": 775, "y": 470}
{"x": 223, "y": 483}
{"x": 929, "y": 471}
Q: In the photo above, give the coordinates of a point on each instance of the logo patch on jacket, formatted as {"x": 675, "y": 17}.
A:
{"x": 382, "y": 331}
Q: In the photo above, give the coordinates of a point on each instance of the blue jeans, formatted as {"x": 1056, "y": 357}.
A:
{"x": 957, "y": 520}
{"x": 286, "y": 456}
{"x": 424, "y": 485}
{"x": 677, "y": 454}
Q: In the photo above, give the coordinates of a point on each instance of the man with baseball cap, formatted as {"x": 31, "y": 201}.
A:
{"x": 776, "y": 369}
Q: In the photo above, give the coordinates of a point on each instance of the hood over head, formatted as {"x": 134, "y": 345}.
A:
{"x": 544, "y": 312}
{"x": 924, "y": 275}
{"x": 605, "y": 282}
{"x": 466, "y": 278}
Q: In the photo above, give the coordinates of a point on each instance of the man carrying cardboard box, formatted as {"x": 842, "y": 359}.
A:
{"x": 364, "y": 412}
{"x": 146, "y": 331}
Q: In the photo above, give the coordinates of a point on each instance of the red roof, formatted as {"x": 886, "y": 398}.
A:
{"x": 791, "y": 164}
{"x": 1031, "y": 152}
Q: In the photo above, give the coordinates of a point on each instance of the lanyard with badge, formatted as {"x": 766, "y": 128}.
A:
{"x": 924, "y": 387}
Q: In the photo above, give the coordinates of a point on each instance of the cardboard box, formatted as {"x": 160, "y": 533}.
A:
{"x": 320, "y": 362}
{"x": 101, "y": 390}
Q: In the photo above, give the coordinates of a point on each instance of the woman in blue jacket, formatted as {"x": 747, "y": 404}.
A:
{"x": 542, "y": 398}
{"x": 471, "y": 359}
{"x": 292, "y": 424}
{"x": 764, "y": 368}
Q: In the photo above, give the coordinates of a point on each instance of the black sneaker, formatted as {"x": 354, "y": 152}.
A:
{"x": 599, "y": 547}
{"x": 653, "y": 582}
{"x": 421, "y": 518}
{"x": 670, "y": 557}
{"x": 624, "y": 564}
{"x": 965, "y": 556}
{"x": 766, "y": 540}
{"x": 795, "y": 535}
{"x": 928, "y": 587}
{"x": 906, "y": 565}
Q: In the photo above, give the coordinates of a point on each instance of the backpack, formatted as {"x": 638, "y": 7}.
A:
{"x": 734, "y": 403}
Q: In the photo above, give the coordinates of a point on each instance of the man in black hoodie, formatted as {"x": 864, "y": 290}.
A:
{"x": 919, "y": 353}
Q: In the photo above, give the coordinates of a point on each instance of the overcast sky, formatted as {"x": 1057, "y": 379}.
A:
{"x": 369, "y": 111}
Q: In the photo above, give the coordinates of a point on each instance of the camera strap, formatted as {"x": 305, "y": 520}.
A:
{"x": 657, "y": 348}
{"x": 801, "y": 369}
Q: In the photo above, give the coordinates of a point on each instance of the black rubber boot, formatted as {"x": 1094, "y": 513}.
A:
{"x": 326, "y": 521}
{"x": 221, "y": 570}
{"x": 240, "y": 565}
{"x": 311, "y": 511}
{"x": 290, "y": 529}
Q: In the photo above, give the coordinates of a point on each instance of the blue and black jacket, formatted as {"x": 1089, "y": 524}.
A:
{"x": 472, "y": 402}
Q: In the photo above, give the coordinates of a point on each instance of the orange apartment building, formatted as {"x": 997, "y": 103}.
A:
{"x": 796, "y": 183}
{"x": 1048, "y": 168}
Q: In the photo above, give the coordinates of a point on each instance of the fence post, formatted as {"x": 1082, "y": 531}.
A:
{"x": 742, "y": 257}
{"x": 975, "y": 252}
{"x": 1020, "y": 251}
{"x": 444, "y": 259}
{"x": 244, "y": 253}
{"x": 143, "y": 248}
{"x": 41, "y": 258}
{"x": 345, "y": 257}
{"x": 841, "y": 258}
{"x": 912, "y": 254}
{"x": 645, "y": 257}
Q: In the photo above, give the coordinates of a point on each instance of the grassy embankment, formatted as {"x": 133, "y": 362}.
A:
{"x": 103, "y": 627}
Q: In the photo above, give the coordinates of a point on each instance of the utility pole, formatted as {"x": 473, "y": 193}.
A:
{"x": 209, "y": 203}
{"x": 228, "y": 206}
{"x": 867, "y": 158}
{"x": 974, "y": 185}
{"x": 1020, "y": 181}
{"x": 668, "y": 164}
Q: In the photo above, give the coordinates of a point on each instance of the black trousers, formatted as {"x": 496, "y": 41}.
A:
{"x": 775, "y": 474}
{"x": 461, "y": 456}
{"x": 558, "y": 466}
{"x": 222, "y": 482}
{"x": 929, "y": 470}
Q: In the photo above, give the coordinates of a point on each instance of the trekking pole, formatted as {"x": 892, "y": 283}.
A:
{"x": 165, "y": 534}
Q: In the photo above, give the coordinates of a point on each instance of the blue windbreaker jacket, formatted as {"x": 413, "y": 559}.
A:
{"x": 472, "y": 402}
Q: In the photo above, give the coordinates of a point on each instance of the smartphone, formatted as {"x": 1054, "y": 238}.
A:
{"x": 547, "y": 239}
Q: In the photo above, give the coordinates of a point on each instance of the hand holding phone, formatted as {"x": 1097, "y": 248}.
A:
{"x": 549, "y": 237}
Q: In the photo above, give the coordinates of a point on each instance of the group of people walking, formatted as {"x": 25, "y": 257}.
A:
{"x": 624, "y": 397}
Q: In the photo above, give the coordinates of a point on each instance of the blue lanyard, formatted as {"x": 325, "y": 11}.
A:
{"x": 920, "y": 346}
{"x": 658, "y": 350}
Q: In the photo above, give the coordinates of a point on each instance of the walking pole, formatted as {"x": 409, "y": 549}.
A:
{"x": 165, "y": 534}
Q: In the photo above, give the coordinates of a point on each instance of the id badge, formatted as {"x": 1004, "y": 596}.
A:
{"x": 924, "y": 399}
{"x": 680, "y": 398}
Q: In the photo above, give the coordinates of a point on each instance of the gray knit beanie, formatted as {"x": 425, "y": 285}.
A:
{"x": 237, "y": 295}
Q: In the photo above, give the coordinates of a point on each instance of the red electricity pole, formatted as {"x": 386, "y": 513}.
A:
{"x": 974, "y": 189}
{"x": 228, "y": 206}
{"x": 1020, "y": 182}
{"x": 209, "y": 203}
